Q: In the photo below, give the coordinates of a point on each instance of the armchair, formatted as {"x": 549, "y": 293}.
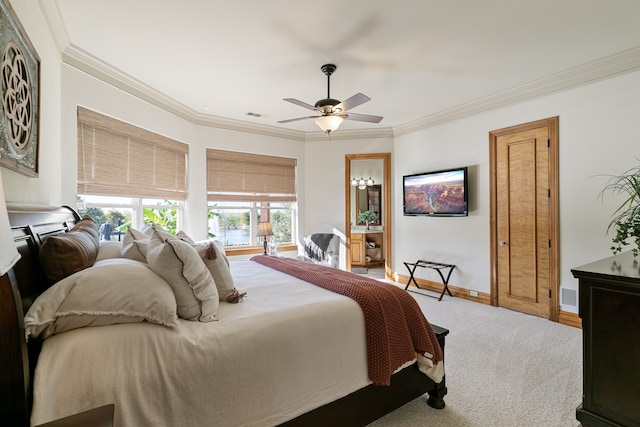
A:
{"x": 320, "y": 248}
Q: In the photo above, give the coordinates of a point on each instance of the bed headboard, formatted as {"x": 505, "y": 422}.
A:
{"x": 31, "y": 226}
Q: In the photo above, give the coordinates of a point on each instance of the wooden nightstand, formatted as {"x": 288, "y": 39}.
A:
{"x": 98, "y": 417}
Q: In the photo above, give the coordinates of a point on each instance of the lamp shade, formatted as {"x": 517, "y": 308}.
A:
{"x": 329, "y": 123}
{"x": 264, "y": 229}
{"x": 8, "y": 253}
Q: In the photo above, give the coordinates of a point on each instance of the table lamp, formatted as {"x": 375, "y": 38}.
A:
{"x": 264, "y": 230}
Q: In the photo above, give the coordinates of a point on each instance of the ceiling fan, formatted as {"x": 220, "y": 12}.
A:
{"x": 333, "y": 112}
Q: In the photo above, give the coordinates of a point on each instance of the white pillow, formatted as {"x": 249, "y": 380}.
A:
{"x": 221, "y": 250}
{"x": 149, "y": 227}
{"x": 218, "y": 266}
{"x": 109, "y": 249}
{"x": 185, "y": 237}
{"x": 181, "y": 266}
{"x": 112, "y": 291}
{"x": 134, "y": 245}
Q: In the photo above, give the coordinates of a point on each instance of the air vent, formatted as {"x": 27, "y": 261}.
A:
{"x": 254, "y": 114}
{"x": 569, "y": 297}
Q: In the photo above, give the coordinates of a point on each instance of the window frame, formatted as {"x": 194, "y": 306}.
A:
{"x": 136, "y": 206}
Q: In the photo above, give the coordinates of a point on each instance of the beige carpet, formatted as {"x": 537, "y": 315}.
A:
{"x": 503, "y": 368}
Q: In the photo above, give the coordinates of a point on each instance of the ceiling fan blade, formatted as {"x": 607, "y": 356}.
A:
{"x": 297, "y": 118}
{"x": 363, "y": 118}
{"x": 300, "y": 103}
{"x": 354, "y": 101}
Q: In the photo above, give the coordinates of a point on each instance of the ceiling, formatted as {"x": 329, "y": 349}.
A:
{"x": 422, "y": 62}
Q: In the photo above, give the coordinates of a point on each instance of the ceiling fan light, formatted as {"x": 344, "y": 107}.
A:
{"x": 329, "y": 123}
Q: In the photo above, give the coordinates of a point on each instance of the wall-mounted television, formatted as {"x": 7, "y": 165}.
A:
{"x": 437, "y": 193}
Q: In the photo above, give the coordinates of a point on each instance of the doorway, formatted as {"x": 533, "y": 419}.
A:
{"x": 524, "y": 218}
{"x": 384, "y": 200}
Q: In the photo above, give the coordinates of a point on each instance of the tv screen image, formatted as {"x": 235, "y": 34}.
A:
{"x": 438, "y": 193}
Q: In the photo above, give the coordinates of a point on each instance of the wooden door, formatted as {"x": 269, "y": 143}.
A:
{"x": 524, "y": 218}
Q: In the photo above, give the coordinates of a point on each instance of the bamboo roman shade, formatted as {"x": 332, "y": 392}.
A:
{"x": 233, "y": 176}
{"x": 119, "y": 159}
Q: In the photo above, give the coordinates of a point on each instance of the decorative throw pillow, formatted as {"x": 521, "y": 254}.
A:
{"x": 221, "y": 250}
{"x": 68, "y": 253}
{"x": 218, "y": 266}
{"x": 181, "y": 266}
{"x": 111, "y": 291}
{"x": 149, "y": 227}
{"x": 134, "y": 245}
{"x": 185, "y": 237}
{"x": 213, "y": 255}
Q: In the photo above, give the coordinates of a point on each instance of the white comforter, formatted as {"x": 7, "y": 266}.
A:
{"x": 289, "y": 347}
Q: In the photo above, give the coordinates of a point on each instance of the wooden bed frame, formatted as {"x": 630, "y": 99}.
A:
{"x": 33, "y": 224}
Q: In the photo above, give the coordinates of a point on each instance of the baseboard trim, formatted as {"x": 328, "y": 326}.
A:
{"x": 570, "y": 319}
{"x": 565, "y": 318}
{"x": 457, "y": 292}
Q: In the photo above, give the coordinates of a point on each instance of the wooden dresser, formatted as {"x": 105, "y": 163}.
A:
{"x": 610, "y": 312}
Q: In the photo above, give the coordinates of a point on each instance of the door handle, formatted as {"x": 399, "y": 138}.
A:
{"x": 502, "y": 243}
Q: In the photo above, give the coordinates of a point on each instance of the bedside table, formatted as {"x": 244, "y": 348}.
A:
{"x": 98, "y": 417}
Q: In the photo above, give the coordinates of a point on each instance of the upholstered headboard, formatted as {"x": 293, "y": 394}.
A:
{"x": 31, "y": 226}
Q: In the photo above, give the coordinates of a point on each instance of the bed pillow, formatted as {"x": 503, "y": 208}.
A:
{"x": 212, "y": 253}
{"x": 112, "y": 291}
{"x": 218, "y": 266}
{"x": 68, "y": 253}
{"x": 134, "y": 245}
{"x": 181, "y": 266}
{"x": 185, "y": 237}
{"x": 149, "y": 227}
{"x": 108, "y": 249}
{"x": 221, "y": 251}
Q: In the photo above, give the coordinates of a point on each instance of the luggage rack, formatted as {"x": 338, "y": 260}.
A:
{"x": 438, "y": 266}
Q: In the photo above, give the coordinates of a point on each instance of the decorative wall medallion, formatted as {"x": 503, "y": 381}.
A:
{"x": 19, "y": 106}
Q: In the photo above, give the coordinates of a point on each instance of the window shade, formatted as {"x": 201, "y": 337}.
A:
{"x": 119, "y": 159}
{"x": 233, "y": 176}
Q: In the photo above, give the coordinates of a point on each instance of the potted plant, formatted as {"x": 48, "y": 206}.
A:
{"x": 626, "y": 221}
{"x": 367, "y": 217}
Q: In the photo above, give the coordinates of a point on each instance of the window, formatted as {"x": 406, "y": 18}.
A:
{"x": 244, "y": 189}
{"x": 235, "y": 223}
{"x": 128, "y": 176}
{"x": 115, "y": 214}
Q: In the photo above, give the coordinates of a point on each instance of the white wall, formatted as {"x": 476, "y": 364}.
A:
{"x": 598, "y": 135}
{"x": 46, "y": 188}
{"x": 89, "y": 92}
{"x": 325, "y": 179}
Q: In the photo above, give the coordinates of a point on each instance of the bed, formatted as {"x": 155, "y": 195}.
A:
{"x": 290, "y": 353}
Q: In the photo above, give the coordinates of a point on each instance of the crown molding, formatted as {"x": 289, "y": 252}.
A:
{"x": 54, "y": 20}
{"x": 620, "y": 63}
{"x": 617, "y": 64}
{"x": 83, "y": 61}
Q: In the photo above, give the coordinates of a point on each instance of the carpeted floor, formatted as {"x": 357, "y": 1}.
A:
{"x": 503, "y": 368}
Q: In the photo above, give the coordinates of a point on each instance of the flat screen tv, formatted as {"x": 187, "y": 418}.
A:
{"x": 437, "y": 193}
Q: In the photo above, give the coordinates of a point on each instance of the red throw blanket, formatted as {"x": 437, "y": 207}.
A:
{"x": 396, "y": 328}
